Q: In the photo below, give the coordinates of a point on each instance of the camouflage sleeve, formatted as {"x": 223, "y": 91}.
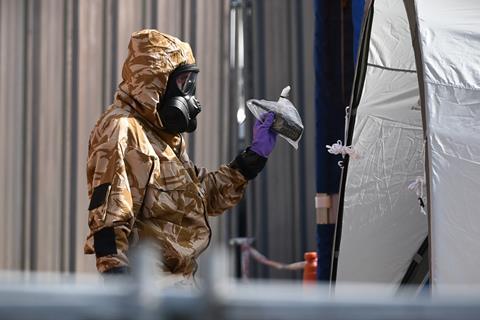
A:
{"x": 117, "y": 175}
{"x": 224, "y": 188}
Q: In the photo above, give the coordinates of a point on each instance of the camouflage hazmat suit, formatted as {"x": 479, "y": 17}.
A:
{"x": 141, "y": 183}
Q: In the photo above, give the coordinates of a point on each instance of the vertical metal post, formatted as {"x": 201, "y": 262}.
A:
{"x": 300, "y": 65}
{"x": 25, "y": 207}
{"x": 237, "y": 64}
{"x": 238, "y": 9}
{"x": 154, "y": 14}
{"x": 74, "y": 136}
{"x": 64, "y": 187}
{"x": 193, "y": 44}
{"x": 35, "y": 14}
{"x": 114, "y": 48}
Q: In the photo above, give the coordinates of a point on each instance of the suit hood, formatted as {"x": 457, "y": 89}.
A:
{"x": 152, "y": 56}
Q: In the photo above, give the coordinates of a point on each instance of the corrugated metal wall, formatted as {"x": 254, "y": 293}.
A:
{"x": 281, "y": 213}
{"x": 60, "y": 64}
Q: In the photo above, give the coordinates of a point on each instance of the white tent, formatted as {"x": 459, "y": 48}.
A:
{"x": 414, "y": 116}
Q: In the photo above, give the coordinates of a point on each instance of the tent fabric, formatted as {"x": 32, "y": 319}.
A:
{"x": 382, "y": 226}
{"x": 382, "y": 223}
{"x": 449, "y": 42}
{"x": 390, "y": 41}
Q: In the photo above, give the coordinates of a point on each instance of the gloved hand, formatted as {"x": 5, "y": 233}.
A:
{"x": 264, "y": 137}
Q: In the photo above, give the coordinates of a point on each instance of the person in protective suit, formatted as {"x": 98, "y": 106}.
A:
{"x": 141, "y": 183}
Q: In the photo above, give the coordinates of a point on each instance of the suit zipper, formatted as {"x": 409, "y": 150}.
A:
{"x": 209, "y": 237}
{"x": 140, "y": 211}
{"x": 208, "y": 226}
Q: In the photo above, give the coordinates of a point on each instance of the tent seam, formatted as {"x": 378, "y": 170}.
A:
{"x": 451, "y": 85}
{"x": 391, "y": 69}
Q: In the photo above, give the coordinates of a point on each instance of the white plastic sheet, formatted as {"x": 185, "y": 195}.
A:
{"x": 450, "y": 46}
{"x": 383, "y": 226}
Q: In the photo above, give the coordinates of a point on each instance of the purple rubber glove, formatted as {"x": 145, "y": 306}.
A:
{"x": 263, "y": 137}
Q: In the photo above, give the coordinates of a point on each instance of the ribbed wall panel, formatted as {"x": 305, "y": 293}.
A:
{"x": 60, "y": 64}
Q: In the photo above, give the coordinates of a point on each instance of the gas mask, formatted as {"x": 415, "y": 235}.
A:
{"x": 179, "y": 107}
